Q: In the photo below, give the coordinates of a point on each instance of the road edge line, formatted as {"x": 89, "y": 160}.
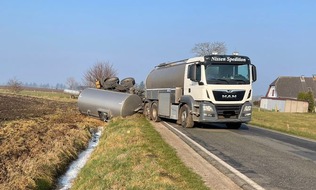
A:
{"x": 220, "y": 161}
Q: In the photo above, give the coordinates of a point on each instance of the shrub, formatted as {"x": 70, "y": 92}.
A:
{"x": 309, "y": 97}
{"x": 15, "y": 85}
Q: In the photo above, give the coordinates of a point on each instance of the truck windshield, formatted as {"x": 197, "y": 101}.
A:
{"x": 227, "y": 73}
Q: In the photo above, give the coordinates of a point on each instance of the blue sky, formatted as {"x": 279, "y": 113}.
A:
{"x": 50, "y": 41}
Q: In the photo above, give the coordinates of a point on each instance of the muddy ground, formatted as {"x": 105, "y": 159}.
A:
{"x": 38, "y": 138}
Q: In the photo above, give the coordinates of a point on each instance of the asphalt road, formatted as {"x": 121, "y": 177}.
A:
{"x": 272, "y": 160}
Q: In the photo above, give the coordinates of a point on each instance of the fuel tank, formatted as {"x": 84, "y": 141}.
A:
{"x": 106, "y": 104}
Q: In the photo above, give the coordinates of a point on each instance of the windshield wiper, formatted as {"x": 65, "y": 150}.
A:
{"x": 223, "y": 80}
{"x": 240, "y": 80}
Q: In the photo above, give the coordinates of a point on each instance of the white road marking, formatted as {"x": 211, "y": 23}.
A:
{"x": 230, "y": 168}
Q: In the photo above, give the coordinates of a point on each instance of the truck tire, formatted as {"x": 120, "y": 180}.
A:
{"x": 233, "y": 125}
{"x": 154, "y": 112}
{"x": 111, "y": 83}
{"x": 128, "y": 82}
{"x": 120, "y": 88}
{"x": 146, "y": 110}
{"x": 185, "y": 118}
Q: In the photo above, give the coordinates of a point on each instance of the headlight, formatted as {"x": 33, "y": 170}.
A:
{"x": 247, "y": 108}
{"x": 208, "y": 108}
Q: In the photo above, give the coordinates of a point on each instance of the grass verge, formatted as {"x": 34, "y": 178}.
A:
{"x": 299, "y": 124}
{"x": 132, "y": 155}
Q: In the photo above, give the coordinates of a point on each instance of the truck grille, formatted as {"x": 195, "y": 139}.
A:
{"x": 228, "y": 95}
{"x": 228, "y": 111}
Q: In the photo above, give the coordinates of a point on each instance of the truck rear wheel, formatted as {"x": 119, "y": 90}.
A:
{"x": 146, "y": 111}
{"x": 154, "y": 112}
{"x": 186, "y": 119}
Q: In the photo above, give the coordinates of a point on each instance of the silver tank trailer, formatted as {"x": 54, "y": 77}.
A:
{"x": 107, "y": 104}
{"x": 166, "y": 77}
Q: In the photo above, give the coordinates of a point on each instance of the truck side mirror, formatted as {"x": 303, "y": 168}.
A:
{"x": 254, "y": 73}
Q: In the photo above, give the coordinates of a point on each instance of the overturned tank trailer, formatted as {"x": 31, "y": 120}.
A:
{"x": 110, "y": 100}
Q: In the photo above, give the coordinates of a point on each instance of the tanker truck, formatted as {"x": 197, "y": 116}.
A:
{"x": 207, "y": 89}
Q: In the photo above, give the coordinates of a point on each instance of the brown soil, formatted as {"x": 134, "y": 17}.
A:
{"x": 14, "y": 107}
{"x": 38, "y": 138}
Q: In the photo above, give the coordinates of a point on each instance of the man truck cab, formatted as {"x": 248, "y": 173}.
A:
{"x": 207, "y": 89}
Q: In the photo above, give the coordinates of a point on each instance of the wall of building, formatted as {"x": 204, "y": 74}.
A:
{"x": 296, "y": 106}
{"x": 284, "y": 105}
{"x": 272, "y": 104}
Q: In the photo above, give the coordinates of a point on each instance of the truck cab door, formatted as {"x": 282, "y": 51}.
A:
{"x": 193, "y": 82}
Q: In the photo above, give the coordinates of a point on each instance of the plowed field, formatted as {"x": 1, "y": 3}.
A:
{"x": 38, "y": 138}
{"x": 23, "y": 107}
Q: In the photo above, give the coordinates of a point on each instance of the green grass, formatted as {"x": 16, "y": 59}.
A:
{"x": 132, "y": 155}
{"x": 40, "y": 94}
{"x": 300, "y": 124}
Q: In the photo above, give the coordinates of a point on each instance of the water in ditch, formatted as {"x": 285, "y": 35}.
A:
{"x": 65, "y": 181}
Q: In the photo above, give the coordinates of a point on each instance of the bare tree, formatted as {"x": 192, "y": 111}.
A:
{"x": 15, "y": 85}
{"x": 99, "y": 71}
{"x": 207, "y": 48}
{"x": 72, "y": 83}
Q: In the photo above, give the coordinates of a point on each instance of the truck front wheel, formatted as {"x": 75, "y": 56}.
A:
{"x": 154, "y": 112}
{"x": 185, "y": 119}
